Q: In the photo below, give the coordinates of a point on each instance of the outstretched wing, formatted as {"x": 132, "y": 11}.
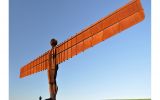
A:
{"x": 39, "y": 64}
{"x": 119, "y": 20}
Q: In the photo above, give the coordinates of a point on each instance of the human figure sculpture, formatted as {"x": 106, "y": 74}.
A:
{"x": 52, "y": 71}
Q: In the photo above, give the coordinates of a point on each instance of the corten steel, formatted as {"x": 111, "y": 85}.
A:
{"x": 52, "y": 71}
{"x": 121, "y": 19}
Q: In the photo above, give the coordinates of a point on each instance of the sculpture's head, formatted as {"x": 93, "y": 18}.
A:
{"x": 53, "y": 42}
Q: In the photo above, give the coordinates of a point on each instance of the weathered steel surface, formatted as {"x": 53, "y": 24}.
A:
{"x": 121, "y": 19}
{"x": 52, "y": 70}
{"x": 37, "y": 65}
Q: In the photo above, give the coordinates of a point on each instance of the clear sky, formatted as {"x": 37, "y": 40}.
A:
{"x": 116, "y": 68}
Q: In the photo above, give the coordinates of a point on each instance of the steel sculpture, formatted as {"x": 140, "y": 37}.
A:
{"x": 121, "y": 19}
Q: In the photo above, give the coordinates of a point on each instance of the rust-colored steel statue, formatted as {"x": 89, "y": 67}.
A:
{"x": 116, "y": 22}
{"x": 52, "y": 71}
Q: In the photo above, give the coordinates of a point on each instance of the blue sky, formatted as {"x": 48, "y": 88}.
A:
{"x": 116, "y": 68}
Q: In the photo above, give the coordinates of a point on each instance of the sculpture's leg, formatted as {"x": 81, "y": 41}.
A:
{"x": 53, "y": 88}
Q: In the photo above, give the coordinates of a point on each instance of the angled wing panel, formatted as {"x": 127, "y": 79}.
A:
{"x": 119, "y": 20}
{"x": 37, "y": 65}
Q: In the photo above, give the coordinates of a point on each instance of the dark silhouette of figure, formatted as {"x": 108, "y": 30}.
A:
{"x": 40, "y": 98}
{"x": 52, "y": 71}
{"x": 49, "y": 99}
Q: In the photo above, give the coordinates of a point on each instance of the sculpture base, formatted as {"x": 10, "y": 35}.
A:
{"x": 49, "y": 99}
